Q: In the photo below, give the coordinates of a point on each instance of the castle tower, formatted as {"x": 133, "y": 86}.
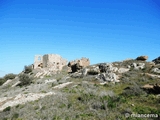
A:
{"x": 38, "y": 61}
{"x": 53, "y": 62}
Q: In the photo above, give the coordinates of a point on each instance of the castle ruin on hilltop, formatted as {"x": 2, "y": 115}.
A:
{"x": 53, "y": 62}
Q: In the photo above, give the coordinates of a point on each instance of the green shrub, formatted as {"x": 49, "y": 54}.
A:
{"x": 2, "y": 80}
{"x": 28, "y": 69}
{"x": 7, "y": 109}
{"x": 133, "y": 91}
{"x": 25, "y": 79}
{"x": 9, "y": 76}
{"x": 112, "y": 102}
{"x": 15, "y": 116}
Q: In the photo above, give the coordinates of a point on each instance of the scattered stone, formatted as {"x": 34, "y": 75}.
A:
{"x": 62, "y": 85}
{"x": 142, "y": 58}
{"x": 128, "y": 66}
{"x": 152, "y": 75}
{"x": 103, "y": 83}
{"x": 123, "y": 70}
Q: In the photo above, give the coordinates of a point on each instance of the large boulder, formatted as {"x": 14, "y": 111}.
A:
{"x": 105, "y": 67}
{"x": 138, "y": 66}
{"x": 107, "y": 73}
{"x": 157, "y": 60}
{"x": 109, "y": 77}
{"x": 142, "y": 58}
{"x": 78, "y": 64}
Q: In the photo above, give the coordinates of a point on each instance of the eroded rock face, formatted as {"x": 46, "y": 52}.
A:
{"x": 142, "y": 58}
{"x": 157, "y": 60}
{"x": 78, "y": 64}
{"x": 138, "y": 66}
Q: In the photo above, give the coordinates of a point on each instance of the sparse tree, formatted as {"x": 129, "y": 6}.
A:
{"x": 25, "y": 79}
{"x": 9, "y": 76}
{"x": 28, "y": 69}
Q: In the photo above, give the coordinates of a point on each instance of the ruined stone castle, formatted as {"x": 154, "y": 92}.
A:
{"x": 53, "y": 62}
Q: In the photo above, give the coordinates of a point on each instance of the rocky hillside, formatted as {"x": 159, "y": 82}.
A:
{"x": 80, "y": 91}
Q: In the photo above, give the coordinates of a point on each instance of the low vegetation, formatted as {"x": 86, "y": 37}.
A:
{"x": 25, "y": 79}
{"x": 86, "y": 99}
{"x": 28, "y": 69}
{"x": 9, "y": 76}
{"x": 2, "y": 80}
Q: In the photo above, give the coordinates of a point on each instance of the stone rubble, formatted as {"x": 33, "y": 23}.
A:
{"x": 78, "y": 64}
{"x": 50, "y": 81}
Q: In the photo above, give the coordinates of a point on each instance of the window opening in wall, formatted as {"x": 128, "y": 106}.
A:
{"x": 39, "y": 58}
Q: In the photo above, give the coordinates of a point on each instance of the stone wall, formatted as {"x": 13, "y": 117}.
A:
{"x": 78, "y": 64}
{"x": 52, "y": 61}
{"x": 38, "y": 60}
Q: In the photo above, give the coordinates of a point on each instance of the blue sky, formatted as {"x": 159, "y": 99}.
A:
{"x": 102, "y": 30}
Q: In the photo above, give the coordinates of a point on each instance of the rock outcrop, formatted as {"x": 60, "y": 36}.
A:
{"x": 123, "y": 70}
{"x": 21, "y": 99}
{"x": 157, "y": 60}
{"x": 155, "y": 89}
{"x": 78, "y": 64}
{"x": 107, "y": 73}
{"x": 138, "y": 66}
{"x": 156, "y": 70}
{"x": 142, "y": 58}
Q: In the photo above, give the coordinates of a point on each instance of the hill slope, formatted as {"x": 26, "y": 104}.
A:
{"x": 104, "y": 91}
